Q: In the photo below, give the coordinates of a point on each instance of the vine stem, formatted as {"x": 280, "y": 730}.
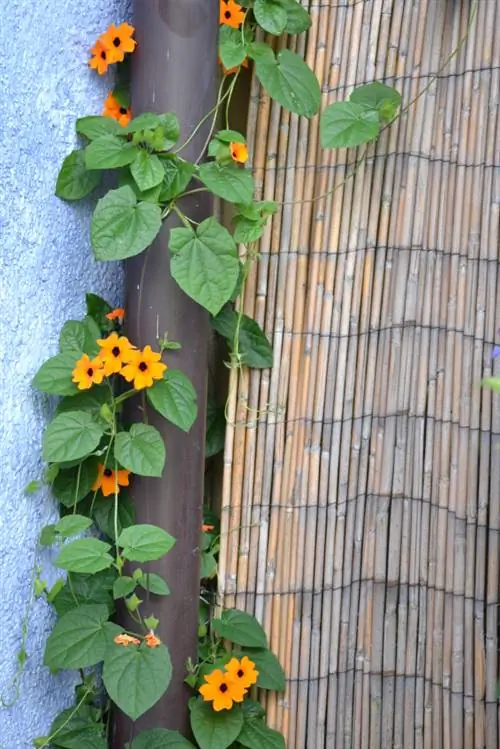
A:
{"x": 211, "y": 112}
{"x": 65, "y": 723}
{"x": 403, "y": 111}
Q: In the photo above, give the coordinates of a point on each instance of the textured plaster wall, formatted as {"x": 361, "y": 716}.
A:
{"x": 45, "y": 268}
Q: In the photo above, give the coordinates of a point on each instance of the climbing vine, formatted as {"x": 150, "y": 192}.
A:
{"x": 92, "y": 453}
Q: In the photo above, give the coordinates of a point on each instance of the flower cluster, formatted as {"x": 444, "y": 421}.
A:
{"x": 151, "y": 640}
{"x": 118, "y": 356}
{"x": 223, "y": 688}
{"x": 111, "y": 47}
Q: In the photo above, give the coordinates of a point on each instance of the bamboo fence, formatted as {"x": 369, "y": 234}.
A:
{"x": 361, "y": 491}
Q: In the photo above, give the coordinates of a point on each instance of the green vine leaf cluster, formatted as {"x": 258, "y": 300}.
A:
{"x": 91, "y": 450}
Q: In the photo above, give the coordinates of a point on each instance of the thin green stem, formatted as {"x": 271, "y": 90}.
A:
{"x": 200, "y": 124}
{"x": 70, "y": 717}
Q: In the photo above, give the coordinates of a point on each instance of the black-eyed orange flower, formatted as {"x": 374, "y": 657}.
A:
{"x": 109, "y": 481}
{"x": 113, "y": 109}
{"x": 102, "y": 57}
{"x": 88, "y": 372}
{"x": 116, "y": 314}
{"x": 242, "y": 671}
{"x": 126, "y": 640}
{"x": 112, "y": 353}
{"x": 143, "y": 367}
{"x": 239, "y": 152}
{"x": 221, "y": 690}
{"x": 152, "y": 641}
{"x": 119, "y": 39}
{"x": 231, "y": 14}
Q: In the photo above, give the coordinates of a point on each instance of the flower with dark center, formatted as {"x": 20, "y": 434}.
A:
{"x": 109, "y": 481}
{"x": 88, "y": 372}
{"x": 143, "y": 367}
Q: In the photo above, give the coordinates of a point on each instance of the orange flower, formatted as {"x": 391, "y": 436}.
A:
{"x": 242, "y": 671}
{"x": 239, "y": 152}
{"x": 143, "y": 367}
{"x": 109, "y": 481}
{"x": 207, "y": 528}
{"x": 126, "y": 640}
{"x": 87, "y": 372}
{"x": 152, "y": 641}
{"x": 230, "y": 71}
{"x": 119, "y": 40}
{"x": 123, "y": 115}
{"x": 231, "y": 14}
{"x": 116, "y": 314}
{"x": 112, "y": 353}
{"x": 102, "y": 57}
{"x": 221, "y": 690}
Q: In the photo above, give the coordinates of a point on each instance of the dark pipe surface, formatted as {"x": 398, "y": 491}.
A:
{"x": 174, "y": 69}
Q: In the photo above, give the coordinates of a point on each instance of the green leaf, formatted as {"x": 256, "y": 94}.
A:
{"x": 230, "y": 136}
{"x": 122, "y": 227}
{"x": 89, "y": 401}
{"x": 95, "y": 127}
{"x": 252, "y": 709}
{"x": 104, "y": 513}
{"x": 246, "y": 231}
{"x": 72, "y": 525}
{"x": 384, "y": 99}
{"x": 240, "y": 628}
{"x": 84, "y": 589}
{"x": 216, "y": 430}
{"x": 48, "y": 535}
{"x": 145, "y": 543}
{"x": 271, "y": 675}
{"x": 208, "y": 567}
{"x": 144, "y": 121}
{"x": 109, "y": 152}
{"x": 205, "y": 263}
{"x": 71, "y": 485}
{"x": 171, "y": 129}
{"x": 161, "y": 738}
{"x": 346, "y": 125}
{"x": 75, "y": 729}
{"x": 75, "y": 181}
{"x": 228, "y": 181}
{"x": 54, "y": 376}
{"x": 215, "y": 730}
{"x": 174, "y": 397}
{"x": 253, "y": 346}
{"x": 89, "y": 555}
{"x": 154, "y": 583}
{"x": 178, "y": 174}
{"x": 232, "y": 50}
{"x": 72, "y": 337}
{"x": 150, "y": 196}
{"x": 257, "y": 735}
{"x": 71, "y": 436}
{"x": 136, "y": 677}
{"x": 141, "y": 450}
{"x": 147, "y": 170}
{"x": 492, "y": 382}
{"x": 97, "y": 309}
{"x": 297, "y": 17}
{"x": 123, "y": 587}
{"x": 287, "y": 79}
{"x": 270, "y": 15}
{"x": 32, "y": 487}
{"x": 79, "y": 638}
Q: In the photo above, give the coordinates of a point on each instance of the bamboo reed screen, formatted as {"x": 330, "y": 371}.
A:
{"x": 361, "y": 500}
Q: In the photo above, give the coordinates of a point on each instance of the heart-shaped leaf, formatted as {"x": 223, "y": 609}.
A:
{"x": 141, "y": 450}
{"x": 89, "y": 555}
{"x": 215, "y": 730}
{"x": 287, "y": 79}
{"x": 174, "y": 397}
{"x": 123, "y": 227}
{"x": 145, "y": 543}
{"x": 346, "y": 124}
{"x": 136, "y": 677}
{"x": 71, "y": 436}
{"x": 79, "y": 638}
{"x": 205, "y": 263}
{"x": 228, "y": 181}
{"x": 75, "y": 181}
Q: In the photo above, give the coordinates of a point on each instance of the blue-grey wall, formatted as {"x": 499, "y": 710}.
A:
{"x": 46, "y": 267}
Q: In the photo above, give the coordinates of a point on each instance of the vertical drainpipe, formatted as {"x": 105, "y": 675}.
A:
{"x": 174, "y": 69}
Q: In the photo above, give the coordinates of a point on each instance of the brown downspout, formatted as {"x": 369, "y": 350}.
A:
{"x": 174, "y": 69}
